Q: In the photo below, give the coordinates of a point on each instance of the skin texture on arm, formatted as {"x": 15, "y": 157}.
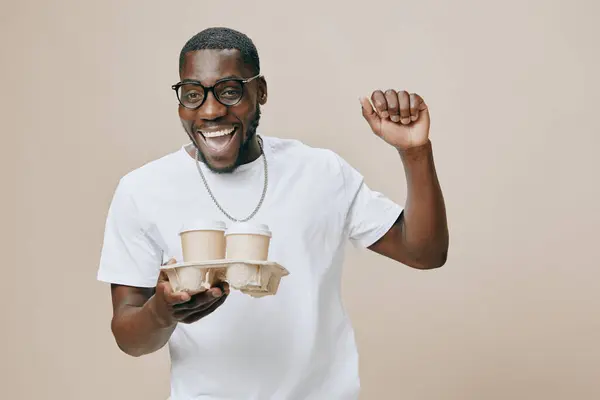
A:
{"x": 144, "y": 318}
{"x": 420, "y": 237}
{"x": 135, "y": 325}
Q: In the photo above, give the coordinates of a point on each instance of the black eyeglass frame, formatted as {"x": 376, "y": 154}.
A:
{"x": 211, "y": 89}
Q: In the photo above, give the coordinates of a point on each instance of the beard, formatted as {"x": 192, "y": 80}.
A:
{"x": 243, "y": 150}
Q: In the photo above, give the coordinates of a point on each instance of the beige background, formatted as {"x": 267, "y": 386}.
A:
{"x": 513, "y": 89}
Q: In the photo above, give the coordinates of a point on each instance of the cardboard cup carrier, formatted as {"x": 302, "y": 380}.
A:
{"x": 213, "y": 254}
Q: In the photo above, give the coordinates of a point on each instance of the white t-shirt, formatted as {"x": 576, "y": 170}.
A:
{"x": 298, "y": 344}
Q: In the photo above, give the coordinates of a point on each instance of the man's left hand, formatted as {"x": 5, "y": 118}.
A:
{"x": 400, "y": 118}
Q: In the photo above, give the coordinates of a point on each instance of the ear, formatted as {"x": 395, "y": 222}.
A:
{"x": 262, "y": 91}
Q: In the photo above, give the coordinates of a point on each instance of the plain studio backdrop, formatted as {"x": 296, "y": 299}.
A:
{"x": 513, "y": 90}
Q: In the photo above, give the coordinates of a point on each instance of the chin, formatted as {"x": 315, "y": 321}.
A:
{"x": 220, "y": 164}
{"x": 220, "y": 167}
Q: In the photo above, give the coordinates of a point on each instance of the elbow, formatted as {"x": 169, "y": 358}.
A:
{"x": 428, "y": 263}
{"x": 429, "y": 259}
{"x": 428, "y": 252}
{"x": 436, "y": 255}
{"x": 423, "y": 258}
{"x": 436, "y": 261}
{"x": 132, "y": 351}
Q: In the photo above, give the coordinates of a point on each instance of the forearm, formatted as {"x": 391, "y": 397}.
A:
{"x": 138, "y": 331}
{"x": 425, "y": 228}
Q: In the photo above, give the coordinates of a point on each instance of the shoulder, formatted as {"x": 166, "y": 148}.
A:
{"x": 153, "y": 174}
{"x": 321, "y": 162}
{"x": 309, "y": 157}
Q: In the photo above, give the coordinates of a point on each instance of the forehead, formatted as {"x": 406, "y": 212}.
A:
{"x": 208, "y": 66}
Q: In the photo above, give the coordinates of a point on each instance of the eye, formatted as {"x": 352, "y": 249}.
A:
{"x": 230, "y": 92}
{"x": 192, "y": 96}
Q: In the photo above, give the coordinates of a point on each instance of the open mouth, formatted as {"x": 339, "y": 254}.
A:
{"x": 218, "y": 141}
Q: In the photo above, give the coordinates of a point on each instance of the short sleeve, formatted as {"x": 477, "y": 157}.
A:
{"x": 370, "y": 213}
{"x": 129, "y": 256}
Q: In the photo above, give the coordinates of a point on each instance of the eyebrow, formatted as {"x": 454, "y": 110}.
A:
{"x": 220, "y": 79}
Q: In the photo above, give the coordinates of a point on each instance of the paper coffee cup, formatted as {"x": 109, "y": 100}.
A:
{"x": 245, "y": 241}
{"x": 203, "y": 240}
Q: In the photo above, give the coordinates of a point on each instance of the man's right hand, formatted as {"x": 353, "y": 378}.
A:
{"x": 169, "y": 308}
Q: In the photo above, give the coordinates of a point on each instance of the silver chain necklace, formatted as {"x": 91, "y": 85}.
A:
{"x": 262, "y": 197}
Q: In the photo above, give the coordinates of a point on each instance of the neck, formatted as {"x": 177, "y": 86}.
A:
{"x": 252, "y": 152}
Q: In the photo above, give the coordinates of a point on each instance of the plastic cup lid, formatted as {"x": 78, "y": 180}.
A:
{"x": 245, "y": 228}
{"x": 203, "y": 225}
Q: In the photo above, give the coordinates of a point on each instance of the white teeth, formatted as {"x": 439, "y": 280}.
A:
{"x": 214, "y": 134}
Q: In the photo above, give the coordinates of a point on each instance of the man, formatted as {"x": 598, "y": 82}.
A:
{"x": 297, "y": 344}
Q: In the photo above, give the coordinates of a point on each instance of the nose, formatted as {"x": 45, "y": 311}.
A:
{"x": 211, "y": 109}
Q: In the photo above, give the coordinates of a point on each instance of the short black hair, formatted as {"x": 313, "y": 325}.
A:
{"x": 219, "y": 38}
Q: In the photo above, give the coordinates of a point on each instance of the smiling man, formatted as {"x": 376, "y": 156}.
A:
{"x": 223, "y": 131}
{"x": 298, "y": 344}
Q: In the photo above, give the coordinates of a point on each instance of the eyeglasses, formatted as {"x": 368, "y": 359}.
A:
{"x": 229, "y": 91}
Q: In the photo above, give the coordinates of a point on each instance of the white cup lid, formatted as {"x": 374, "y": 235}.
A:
{"x": 203, "y": 225}
{"x": 246, "y": 228}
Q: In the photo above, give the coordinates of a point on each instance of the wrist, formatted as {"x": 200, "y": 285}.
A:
{"x": 416, "y": 152}
{"x": 161, "y": 319}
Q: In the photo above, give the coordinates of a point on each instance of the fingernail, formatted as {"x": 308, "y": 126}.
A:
{"x": 185, "y": 297}
{"x": 385, "y": 114}
{"x": 413, "y": 117}
{"x": 216, "y": 293}
{"x": 405, "y": 120}
{"x": 395, "y": 118}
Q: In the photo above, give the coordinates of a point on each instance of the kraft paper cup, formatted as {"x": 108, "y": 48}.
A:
{"x": 247, "y": 242}
{"x": 203, "y": 240}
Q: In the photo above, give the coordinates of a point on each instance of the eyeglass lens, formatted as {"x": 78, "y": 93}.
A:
{"x": 227, "y": 92}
